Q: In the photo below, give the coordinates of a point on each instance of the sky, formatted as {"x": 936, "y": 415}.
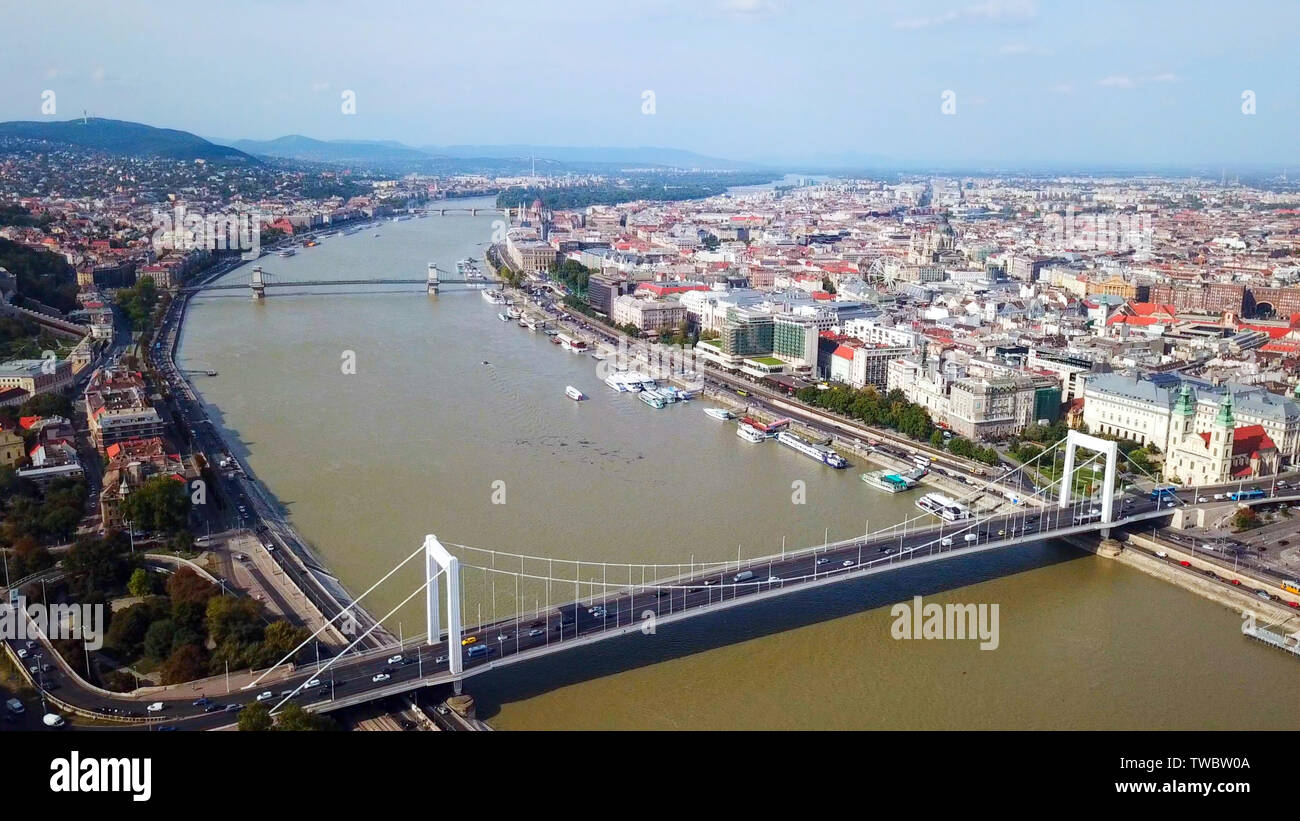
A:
{"x": 1136, "y": 83}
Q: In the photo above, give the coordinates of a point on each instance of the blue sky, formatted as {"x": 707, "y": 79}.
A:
{"x": 768, "y": 80}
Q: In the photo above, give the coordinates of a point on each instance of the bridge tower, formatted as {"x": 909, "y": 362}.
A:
{"x": 1074, "y": 439}
{"x": 432, "y": 281}
{"x": 437, "y": 558}
{"x": 258, "y": 286}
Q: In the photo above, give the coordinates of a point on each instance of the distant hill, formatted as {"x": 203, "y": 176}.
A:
{"x": 672, "y": 157}
{"x": 388, "y": 152}
{"x": 124, "y": 138}
{"x": 298, "y": 147}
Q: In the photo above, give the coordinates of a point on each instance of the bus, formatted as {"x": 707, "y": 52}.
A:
{"x": 1291, "y": 586}
{"x": 478, "y": 650}
{"x": 1163, "y": 492}
{"x": 1243, "y": 495}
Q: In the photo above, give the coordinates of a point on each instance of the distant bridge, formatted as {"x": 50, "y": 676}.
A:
{"x": 257, "y": 281}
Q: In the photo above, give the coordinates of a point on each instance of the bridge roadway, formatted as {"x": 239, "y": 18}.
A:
{"x": 570, "y": 625}
{"x": 313, "y": 283}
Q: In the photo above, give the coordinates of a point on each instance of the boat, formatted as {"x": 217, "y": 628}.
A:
{"x": 652, "y": 399}
{"x": 286, "y": 252}
{"x": 889, "y": 481}
{"x": 513, "y": 312}
{"x": 945, "y": 508}
{"x": 572, "y": 343}
{"x": 523, "y": 322}
{"x": 467, "y": 267}
{"x": 493, "y": 296}
{"x": 615, "y": 381}
{"x": 574, "y": 394}
{"x": 503, "y": 317}
{"x": 750, "y": 434}
{"x": 822, "y": 453}
{"x": 719, "y": 413}
{"x": 596, "y": 355}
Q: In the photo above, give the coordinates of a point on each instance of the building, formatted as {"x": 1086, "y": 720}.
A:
{"x": 1221, "y": 454}
{"x": 11, "y": 448}
{"x": 603, "y": 290}
{"x": 36, "y": 375}
{"x": 117, "y": 408}
{"x": 648, "y": 314}
{"x": 529, "y": 255}
{"x": 794, "y": 339}
{"x": 130, "y": 463}
{"x": 1142, "y": 409}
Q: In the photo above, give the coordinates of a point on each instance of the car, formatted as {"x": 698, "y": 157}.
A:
{"x": 946, "y": 541}
{"x": 1185, "y": 563}
{"x": 468, "y": 640}
{"x": 773, "y": 579}
{"x": 536, "y": 631}
{"x": 442, "y": 709}
{"x": 1201, "y": 499}
{"x": 156, "y": 707}
{"x": 1171, "y": 504}
{"x": 1219, "y": 497}
{"x": 202, "y": 701}
{"x": 310, "y": 684}
{"x": 971, "y": 537}
{"x": 241, "y": 557}
{"x": 53, "y": 720}
{"x": 822, "y": 561}
{"x": 1160, "y": 554}
{"x": 265, "y": 696}
{"x": 378, "y": 677}
{"x": 1236, "y": 582}
{"x": 394, "y": 659}
{"x": 439, "y": 659}
{"x": 846, "y": 563}
{"x": 22, "y": 654}
{"x": 1001, "y": 532}
{"x": 708, "y": 582}
{"x": 215, "y": 708}
{"x": 1293, "y": 604}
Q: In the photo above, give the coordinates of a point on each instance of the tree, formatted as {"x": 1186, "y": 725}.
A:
{"x": 141, "y": 582}
{"x": 184, "y": 664}
{"x": 159, "y": 504}
{"x": 294, "y": 718}
{"x": 158, "y": 639}
{"x": 255, "y": 718}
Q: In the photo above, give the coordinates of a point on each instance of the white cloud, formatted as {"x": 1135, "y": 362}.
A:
{"x": 1117, "y": 81}
{"x": 1125, "y": 81}
{"x": 990, "y": 11}
{"x": 1025, "y": 48}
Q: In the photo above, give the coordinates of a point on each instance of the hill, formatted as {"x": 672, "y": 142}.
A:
{"x": 124, "y": 138}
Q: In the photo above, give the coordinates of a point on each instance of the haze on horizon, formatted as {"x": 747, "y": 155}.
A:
{"x": 816, "y": 82}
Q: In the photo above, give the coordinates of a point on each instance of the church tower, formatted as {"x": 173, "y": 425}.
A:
{"x": 1221, "y": 438}
{"x": 1180, "y": 424}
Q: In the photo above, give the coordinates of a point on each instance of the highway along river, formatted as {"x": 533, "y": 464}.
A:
{"x": 450, "y": 411}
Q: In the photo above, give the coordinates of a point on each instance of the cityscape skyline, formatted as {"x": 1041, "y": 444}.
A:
{"x": 867, "y": 86}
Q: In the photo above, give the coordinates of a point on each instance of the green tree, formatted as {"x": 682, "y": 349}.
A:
{"x": 160, "y": 504}
{"x": 294, "y": 718}
{"x": 141, "y": 582}
{"x": 255, "y": 718}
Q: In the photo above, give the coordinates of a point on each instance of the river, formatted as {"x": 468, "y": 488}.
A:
{"x": 456, "y": 423}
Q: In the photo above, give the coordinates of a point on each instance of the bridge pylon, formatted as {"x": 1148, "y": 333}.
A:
{"x": 437, "y": 558}
{"x": 432, "y": 281}
{"x": 258, "y": 285}
{"x": 1075, "y": 439}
